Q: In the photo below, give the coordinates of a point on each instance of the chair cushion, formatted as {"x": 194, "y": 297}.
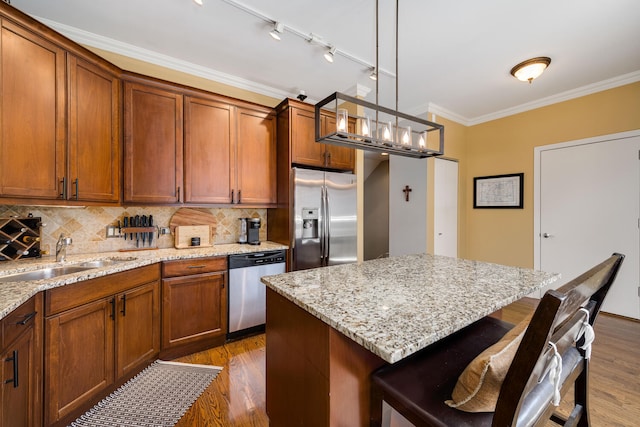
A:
{"x": 479, "y": 384}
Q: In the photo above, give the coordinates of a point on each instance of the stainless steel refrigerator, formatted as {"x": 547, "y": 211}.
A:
{"x": 324, "y": 218}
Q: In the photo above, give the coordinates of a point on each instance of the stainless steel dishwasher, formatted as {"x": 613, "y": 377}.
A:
{"x": 247, "y": 294}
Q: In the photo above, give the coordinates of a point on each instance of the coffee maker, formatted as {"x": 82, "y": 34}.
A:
{"x": 253, "y": 231}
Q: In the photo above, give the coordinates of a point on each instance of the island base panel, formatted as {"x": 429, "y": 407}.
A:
{"x": 315, "y": 375}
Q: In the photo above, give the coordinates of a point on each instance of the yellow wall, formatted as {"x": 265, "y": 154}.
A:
{"x": 148, "y": 69}
{"x": 507, "y": 146}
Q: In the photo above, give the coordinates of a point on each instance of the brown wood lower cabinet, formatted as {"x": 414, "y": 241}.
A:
{"x": 21, "y": 372}
{"x": 98, "y": 333}
{"x": 194, "y": 305}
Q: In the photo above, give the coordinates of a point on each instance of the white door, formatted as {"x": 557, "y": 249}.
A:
{"x": 589, "y": 207}
{"x": 445, "y": 216}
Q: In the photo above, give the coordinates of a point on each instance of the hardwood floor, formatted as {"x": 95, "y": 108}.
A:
{"x": 237, "y": 396}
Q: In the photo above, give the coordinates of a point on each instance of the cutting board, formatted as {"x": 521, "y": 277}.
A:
{"x": 192, "y": 216}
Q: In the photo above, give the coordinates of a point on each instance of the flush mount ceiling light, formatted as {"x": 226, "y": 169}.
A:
{"x": 329, "y": 54}
{"x": 530, "y": 69}
{"x": 374, "y": 127}
{"x": 278, "y": 28}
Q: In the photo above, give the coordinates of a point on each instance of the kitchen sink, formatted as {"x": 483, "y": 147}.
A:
{"x": 51, "y": 272}
{"x": 105, "y": 262}
{"x": 44, "y": 273}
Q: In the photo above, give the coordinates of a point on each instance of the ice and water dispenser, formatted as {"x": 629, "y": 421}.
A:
{"x": 309, "y": 223}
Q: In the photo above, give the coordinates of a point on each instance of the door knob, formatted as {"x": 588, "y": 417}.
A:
{"x": 547, "y": 235}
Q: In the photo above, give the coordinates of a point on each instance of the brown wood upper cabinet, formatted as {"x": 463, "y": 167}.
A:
{"x": 94, "y": 133}
{"x": 153, "y": 139}
{"x": 230, "y": 153}
{"x": 43, "y": 88}
{"x": 301, "y": 138}
{"x": 32, "y": 108}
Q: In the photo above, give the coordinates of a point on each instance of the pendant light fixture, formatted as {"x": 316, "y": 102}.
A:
{"x": 380, "y": 129}
{"x": 530, "y": 69}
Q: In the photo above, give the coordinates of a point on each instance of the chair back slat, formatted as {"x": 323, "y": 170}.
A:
{"x": 559, "y": 320}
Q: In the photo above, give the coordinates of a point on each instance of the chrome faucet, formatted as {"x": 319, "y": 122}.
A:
{"x": 61, "y": 247}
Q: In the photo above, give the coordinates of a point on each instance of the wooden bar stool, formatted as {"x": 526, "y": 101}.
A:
{"x": 499, "y": 375}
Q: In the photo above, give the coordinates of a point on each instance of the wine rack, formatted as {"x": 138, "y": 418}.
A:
{"x": 20, "y": 238}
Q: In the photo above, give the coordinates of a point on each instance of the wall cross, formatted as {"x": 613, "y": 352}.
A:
{"x": 406, "y": 192}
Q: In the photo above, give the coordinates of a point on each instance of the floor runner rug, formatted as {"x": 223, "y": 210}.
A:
{"x": 158, "y": 396}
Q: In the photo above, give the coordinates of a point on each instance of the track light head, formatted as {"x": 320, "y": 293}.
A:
{"x": 329, "y": 54}
{"x": 373, "y": 75}
{"x": 278, "y": 28}
{"x": 302, "y": 96}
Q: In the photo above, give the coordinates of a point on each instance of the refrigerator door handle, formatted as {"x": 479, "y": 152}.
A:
{"x": 322, "y": 225}
{"x": 327, "y": 234}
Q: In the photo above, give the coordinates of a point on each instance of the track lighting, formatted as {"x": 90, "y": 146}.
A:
{"x": 278, "y": 28}
{"x": 328, "y": 55}
{"x": 373, "y": 75}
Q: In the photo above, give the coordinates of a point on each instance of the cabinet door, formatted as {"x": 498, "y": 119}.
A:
{"x": 19, "y": 382}
{"x": 153, "y": 144}
{"x": 209, "y": 157}
{"x": 256, "y": 166}
{"x": 304, "y": 148}
{"x": 138, "y": 327}
{"x": 78, "y": 356}
{"x": 32, "y": 109}
{"x": 338, "y": 157}
{"x": 94, "y": 136}
{"x": 194, "y": 309}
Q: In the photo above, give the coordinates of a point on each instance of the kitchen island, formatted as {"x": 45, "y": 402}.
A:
{"x": 328, "y": 328}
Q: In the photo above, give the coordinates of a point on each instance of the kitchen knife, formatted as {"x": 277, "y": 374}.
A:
{"x": 143, "y": 221}
{"x": 137, "y": 224}
{"x": 126, "y": 224}
{"x": 151, "y": 232}
{"x": 131, "y": 224}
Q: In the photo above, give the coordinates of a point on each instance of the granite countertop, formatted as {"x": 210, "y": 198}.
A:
{"x": 396, "y": 306}
{"x": 12, "y": 294}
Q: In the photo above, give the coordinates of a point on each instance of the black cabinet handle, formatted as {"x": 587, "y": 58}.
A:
{"x": 124, "y": 305}
{"x": 239, "y": 195}
{"x": 63, "y": 193}
{"x": 113, "y": 307}
{"x": 75, "y": 183}
{"x": 196, "y": 266}
{"x": 14, "y": 359}
{"x": 27, "y": 318}
{"x": 233, "y": 198}
{"x": 178, "y": 193}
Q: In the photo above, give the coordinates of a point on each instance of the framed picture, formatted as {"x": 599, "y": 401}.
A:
{"x": 498, "y": 191}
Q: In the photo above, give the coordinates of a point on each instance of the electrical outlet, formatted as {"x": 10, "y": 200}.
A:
{"x": 164, "y": 230}
{"x": 113, "y": 232}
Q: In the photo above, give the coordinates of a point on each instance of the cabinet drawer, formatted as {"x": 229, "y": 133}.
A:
{"x": 18, "y": 321}
{"x": 188, "y": 267}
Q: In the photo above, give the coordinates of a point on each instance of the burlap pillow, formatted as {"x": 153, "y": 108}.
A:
{"x": 479, "y": 384}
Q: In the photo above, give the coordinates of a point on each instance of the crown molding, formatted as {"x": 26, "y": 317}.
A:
{"x": 131, "y": 51}
{"x": 125, "y": 49}
{"x": 614, "y": 82}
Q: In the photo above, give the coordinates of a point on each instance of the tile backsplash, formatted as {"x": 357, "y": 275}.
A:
{"x": 87, "y": 225}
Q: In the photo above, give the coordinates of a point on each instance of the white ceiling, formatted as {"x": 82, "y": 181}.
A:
{"x": 454, "y": 56}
